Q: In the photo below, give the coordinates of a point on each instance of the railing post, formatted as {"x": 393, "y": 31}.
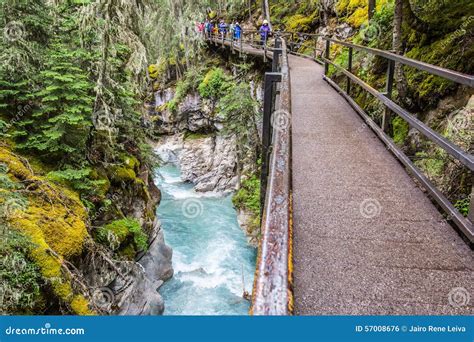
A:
{"x": 470, "y": 215}
{"x": 349, "y": 68}
{"x": 316, "y": 48}
{"x": 276, "y": 54}
{"x": 268, "y": 99}
{"x": 240, "y": 45}
{"x": 388, "y": 114}
{"x": 326, "y": 55}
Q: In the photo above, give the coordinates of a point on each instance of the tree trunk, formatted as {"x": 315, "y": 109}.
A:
{"x": 372, "y": 4}
{"x": 397, "y": 26}
{"x": 250, "y": 9}
{"x": 266, "y": 7}
{"x": 398, "y": 48}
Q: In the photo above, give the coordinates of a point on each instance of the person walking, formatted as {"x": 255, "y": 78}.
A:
{"x": 223, "y": 29}
{"x": 237, "y": 31}
{"x": 207, "y": 28}
{"x": 265, "y": 32}
{"x": 200, "y": 27}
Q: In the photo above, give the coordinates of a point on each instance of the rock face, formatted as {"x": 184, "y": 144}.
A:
{"x": 130, "y": 287}
{"x": 209, "y": 162}
{"x": 154, "y": 268}
{"x": 245, "y": 222}
{"x": 193, "y": 114}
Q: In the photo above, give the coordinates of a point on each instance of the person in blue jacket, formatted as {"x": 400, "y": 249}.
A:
{"x": 265, "y": 32}
{"x": 208, "y": 28}
{"x": 237, "y": 31}
{"x": 223, "y": 28}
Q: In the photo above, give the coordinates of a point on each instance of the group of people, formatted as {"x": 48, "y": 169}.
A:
{"x": 211, "y": 27}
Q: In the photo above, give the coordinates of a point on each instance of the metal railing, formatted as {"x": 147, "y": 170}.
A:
{"x": 273, "y": 281}
{"x": 248, "y": 39}
{"x": 465, "y": 158}
{"x": 272, "y": 293}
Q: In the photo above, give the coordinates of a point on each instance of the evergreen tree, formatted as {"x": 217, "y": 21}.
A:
{"x": 58, "y": 126}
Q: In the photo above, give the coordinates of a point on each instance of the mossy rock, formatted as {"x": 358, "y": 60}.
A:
{"x": 122, "y": 174}
{"x": 300, "y": 22}
{"x": 102, "y": 187}
{"x": 130, "y": 161}
{"x": 125, "y": 236}
{"x": 55, "y": 222}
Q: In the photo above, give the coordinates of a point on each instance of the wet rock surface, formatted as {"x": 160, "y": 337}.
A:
{"x": 209, "y": 162}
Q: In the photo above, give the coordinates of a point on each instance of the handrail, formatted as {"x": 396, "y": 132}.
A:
{"x": 273, "y": 279}
{"x": 465, "y": 158}
{"x": 448, "y": 74}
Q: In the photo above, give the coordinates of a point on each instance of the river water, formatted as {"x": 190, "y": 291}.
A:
{"x": 212, "y": 261}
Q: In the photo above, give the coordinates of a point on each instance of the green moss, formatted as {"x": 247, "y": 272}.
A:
{"x": 153, "y": 71}
{"x": 400, "y": 130}
{"x": 125, "y": 236}
{"x": 448, "y": 52}
{"x": 433, "y": 166}
{"x": 195, "y": 136}
{"x": 300, "y": 22}
{"x": 54, "y": 221}
{"x": 80, "y": 306}
{"x": 123, "y": 174}
{"x": 248, "y": 199}
{"x": 128, "y": 252}
{"x": 130, "y": 161}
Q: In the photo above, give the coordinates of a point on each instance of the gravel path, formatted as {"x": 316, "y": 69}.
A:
{"x": 367, "y": 240}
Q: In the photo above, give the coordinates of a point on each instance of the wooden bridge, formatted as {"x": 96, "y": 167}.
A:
{"x": 345, "y": 228}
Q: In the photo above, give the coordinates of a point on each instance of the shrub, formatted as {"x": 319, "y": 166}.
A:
{"x": 214, "y": 84}
{"x": 248, "y": 196}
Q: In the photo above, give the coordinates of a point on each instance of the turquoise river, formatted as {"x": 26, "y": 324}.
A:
{"x": 212, "y": 261}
